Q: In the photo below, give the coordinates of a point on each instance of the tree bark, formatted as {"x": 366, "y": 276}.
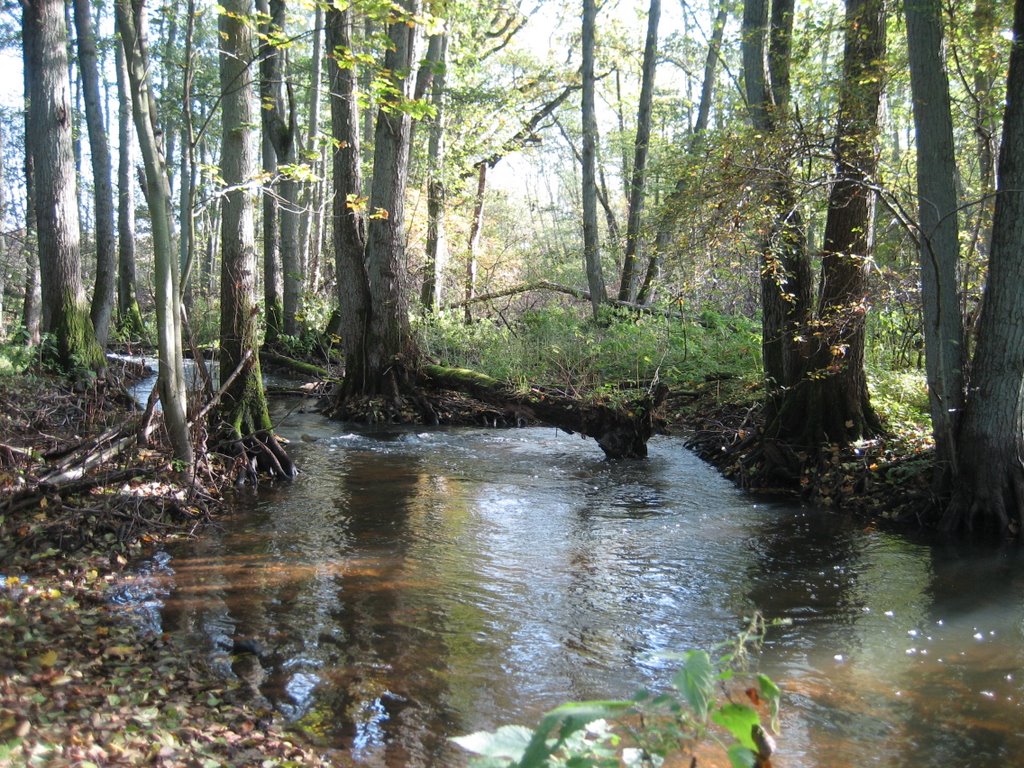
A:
{"x": 348, "y": 214}
{"x": 128, "y": 313}
{"x": 103, "y": 191}
{"x": 285, "y": 139}
{"x": 187, "y": 164}
{"x": 56, "y": 204}
{"x": 628, "y": 286}
{"x": 829, "y": 403}
{"x": 622, "y": 433}
{"x": 476, "y": 227}
{"x": 785, "y": 267}
{"x": 31, "y": 312}
{"x": 390, "y": 346}
{"x": 244, "y": 404}
{"x": 938, "y": 232}
{"x": 591, "y": 238}
{"x": 311, "y": 216}
{"x": 432, "y": 293}
{"x": 667, "y": 215}
{"x": 989, "y": 490}
{"x": 269, "y": 87}
{"x": 171, "y": 373}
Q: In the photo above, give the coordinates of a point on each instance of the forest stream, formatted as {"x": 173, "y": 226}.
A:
{"x": 413, "y": 585}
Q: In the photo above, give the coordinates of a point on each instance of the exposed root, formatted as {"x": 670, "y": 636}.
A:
{"x": 260, "y": 454}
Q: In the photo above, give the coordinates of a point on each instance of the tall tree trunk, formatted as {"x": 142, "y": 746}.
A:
{"x": 244, "y": 404}
{"x": 171, "y": 374}
{"x": 166, "y": 104}
{"x": 830, "y": 403}
{"x": 785, "y": 268}
{"x": 667, "y": 216}
{"x": 311, "y": 218}
{"x": 990, "y": 479}
{"x": 272, "y": 105}
{"x": 3, "y": 239}
{"x": 103, "y": 190}
{"x": 366, "y": 90}
{"x": 628, "y": 286}
{"x": 476, "y": 227}
{"x": 187, "y": 163}
{"x": 432, "y": 295}
{"x": 591, "y": 241}
{"x": 348, "y": 217}
{"x": 391, "y": 349}
{"x": 56, "y": 202}
{"x": 31, "y": 311}
{"x": 938, "y": 231}
{"x": 284, "y": 137}
{"x": 128, "y": 313}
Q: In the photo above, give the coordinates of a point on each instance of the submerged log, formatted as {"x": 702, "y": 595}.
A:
{"x": 622, "y": 432}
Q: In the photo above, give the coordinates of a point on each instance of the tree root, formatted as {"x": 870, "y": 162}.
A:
{"x": 259, "y": 454}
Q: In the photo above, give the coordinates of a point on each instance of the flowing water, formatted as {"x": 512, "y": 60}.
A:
{"x": 413, "y": 585}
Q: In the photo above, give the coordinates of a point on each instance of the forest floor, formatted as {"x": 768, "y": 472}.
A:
{"x": 83, "y": 684}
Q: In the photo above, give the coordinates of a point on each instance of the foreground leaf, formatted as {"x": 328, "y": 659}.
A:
{"x": 509, "y": 742}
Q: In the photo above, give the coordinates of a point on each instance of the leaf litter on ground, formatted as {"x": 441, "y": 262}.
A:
{"x": 81, "y": 683}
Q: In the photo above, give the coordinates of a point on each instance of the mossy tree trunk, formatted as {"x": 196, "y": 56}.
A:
{"x": 65, "y": 309}
{"x": 244, "y": 404}
{"x": 591, "y": 237}
{"x": 380, "y": 353}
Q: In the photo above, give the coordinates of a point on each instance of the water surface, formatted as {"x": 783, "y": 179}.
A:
{"x": 413, "y": 585}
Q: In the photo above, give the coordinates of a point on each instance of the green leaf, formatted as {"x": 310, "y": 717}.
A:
{"x": 696, "y": 681}
{"x": 771, "y": 693}
{"x": 509, "y": 742}
{"x": 741, "y": 757}
{"x": 738, "y": 719}
{"x": 568, "y": 718}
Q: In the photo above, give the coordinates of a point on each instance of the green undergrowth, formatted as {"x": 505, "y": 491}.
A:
{"x": 900, "y": 398}
{"x": 564, "y": 348}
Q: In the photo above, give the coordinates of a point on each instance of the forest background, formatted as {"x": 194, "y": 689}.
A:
{"x": 808, "y": 198}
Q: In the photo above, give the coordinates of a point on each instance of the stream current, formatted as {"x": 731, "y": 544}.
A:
{"x": 415, "y": 585}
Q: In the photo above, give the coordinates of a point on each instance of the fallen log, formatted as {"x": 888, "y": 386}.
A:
{"x": 290, "y": 363}
{"x": 568, "y": 290}
{"x": 622, "y": 432}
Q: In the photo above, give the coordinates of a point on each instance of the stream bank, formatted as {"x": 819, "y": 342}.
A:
{"x": 80, "y": 683}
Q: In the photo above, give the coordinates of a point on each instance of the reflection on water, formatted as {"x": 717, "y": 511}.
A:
{"x": 411, "y": 586}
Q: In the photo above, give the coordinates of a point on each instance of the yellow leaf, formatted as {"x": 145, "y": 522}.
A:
{"x": 48, "y": 659}
{"x": 120, "y": 650}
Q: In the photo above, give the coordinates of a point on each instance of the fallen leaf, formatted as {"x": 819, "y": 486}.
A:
{"x": 48, "y": 659}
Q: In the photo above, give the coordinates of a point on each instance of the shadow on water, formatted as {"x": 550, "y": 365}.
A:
{"x": 411, "y": 586}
